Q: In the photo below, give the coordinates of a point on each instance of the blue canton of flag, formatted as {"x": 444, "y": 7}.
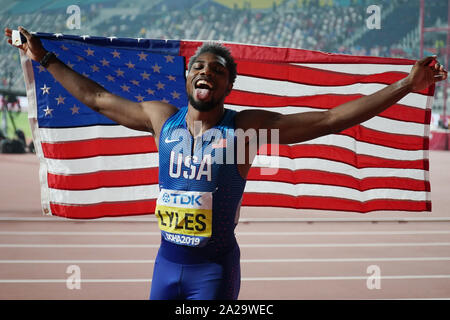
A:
{"x": 135, "y": 74}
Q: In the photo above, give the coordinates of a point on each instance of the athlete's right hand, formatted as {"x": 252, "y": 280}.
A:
{"x": 32, "y": 48}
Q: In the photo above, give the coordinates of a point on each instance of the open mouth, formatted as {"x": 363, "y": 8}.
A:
{"x": 203, "y": 84}
{"x": 203, "y": 89}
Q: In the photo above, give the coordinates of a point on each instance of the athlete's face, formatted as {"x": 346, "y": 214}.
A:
{"x": 207, "y": 82}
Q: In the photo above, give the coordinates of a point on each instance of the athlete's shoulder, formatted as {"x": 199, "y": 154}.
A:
{"x": 158, "y": 112}
{"x": 252, "y": 119}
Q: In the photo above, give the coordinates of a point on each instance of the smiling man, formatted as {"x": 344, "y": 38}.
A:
{"x": 199, "y": 201}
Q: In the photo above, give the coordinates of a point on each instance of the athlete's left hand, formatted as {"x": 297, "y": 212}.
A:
{"x": 426, "y": 72}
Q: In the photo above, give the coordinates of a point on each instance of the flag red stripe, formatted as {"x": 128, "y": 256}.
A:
{"x": 326, "y": 152}
{"x": 99, "y": 147}
{"x": 338, "y": 179}
{"x": 342, "y": 155}
{"x": 137, "y": 145}
{"x": 290, "y": 55}
{"x": 311, "y": 76}
{"x": 392, "y": 140}
{"x": 249, "y": 199}
{"x": 110, "y": 209}
{"x": 113, "y": 178}
{"x": 326, "y": 101}
{"x": 150, "y": 176}
{"x": 328, "y": 203}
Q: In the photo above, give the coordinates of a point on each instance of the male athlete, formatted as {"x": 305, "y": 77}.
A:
{"x": 199, "y": 199}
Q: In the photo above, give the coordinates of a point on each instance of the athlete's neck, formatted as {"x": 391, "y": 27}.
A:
{"x": 200, "y": 121}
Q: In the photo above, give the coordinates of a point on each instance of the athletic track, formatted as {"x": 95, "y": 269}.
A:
{"x": 286, "y": 254}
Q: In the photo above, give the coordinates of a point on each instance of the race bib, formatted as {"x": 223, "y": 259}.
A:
{"x": 185, "y": 217}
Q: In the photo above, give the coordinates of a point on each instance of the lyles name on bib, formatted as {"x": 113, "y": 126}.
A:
{"x": 185, "y": 217}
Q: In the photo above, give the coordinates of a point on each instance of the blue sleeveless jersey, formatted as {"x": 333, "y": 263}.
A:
{"x": 200, "y": 190}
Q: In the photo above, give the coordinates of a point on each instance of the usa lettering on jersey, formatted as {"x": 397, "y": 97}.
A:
{"x": 187, "y": 166}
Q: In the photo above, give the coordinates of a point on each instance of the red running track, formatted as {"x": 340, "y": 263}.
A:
{"x": 307, "y": 258}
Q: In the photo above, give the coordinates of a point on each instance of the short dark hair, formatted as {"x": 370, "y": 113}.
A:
{"x": 219, "y": 50}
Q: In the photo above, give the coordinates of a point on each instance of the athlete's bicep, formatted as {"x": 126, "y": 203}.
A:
{"x": 290, "y": 128}
{"x": 143, "y": 116}
{"x": 123, "y": 111}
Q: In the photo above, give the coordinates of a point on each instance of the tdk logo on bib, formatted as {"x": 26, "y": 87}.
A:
{"x": 182, "y": 199}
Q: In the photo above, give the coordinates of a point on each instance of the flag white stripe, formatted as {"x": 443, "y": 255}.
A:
{"x": 86, "y": 133}
{"x": 78, "y": 134}
{"x": 100, "y": 163}
{"x": 396, "y": 126}
{"x": 337, "y": 140}
{"x": 376, "y": 123}
{"x": 291, "y": 89}
{"x": 365, "y": 148}
{"x": 337, "y": 167}
{"x": 138, "y": 161}
{"x": 85, "y": 197}
{"x": 104, "y": 194}
{"x": 320, "y": 190}
{"x": 357, "y": 69}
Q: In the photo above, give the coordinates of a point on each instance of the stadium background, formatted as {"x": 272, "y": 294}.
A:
{"x": 313, "y": 255}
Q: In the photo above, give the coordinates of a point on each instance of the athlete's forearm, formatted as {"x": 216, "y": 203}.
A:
{"x": 362, "y": 109}
{"x": 424, "y": 73}
{"x": 82, "y": 88}
{"x": 300, "y": 127}
{"x": 123, "y": 111}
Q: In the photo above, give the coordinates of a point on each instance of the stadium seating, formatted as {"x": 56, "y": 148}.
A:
{"x": 325, "y": 25}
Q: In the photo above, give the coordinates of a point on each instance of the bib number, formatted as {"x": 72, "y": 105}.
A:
{"x": 185, "y": 217}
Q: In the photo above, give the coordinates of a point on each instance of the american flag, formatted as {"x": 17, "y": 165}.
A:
{"x": 92, "y": 167}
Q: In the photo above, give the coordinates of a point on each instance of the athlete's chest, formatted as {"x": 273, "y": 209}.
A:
{"x": 202, "y": 159}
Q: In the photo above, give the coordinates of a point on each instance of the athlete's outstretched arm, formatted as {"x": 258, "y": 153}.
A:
{"x": 309, "y": 125}
{"x": 145, "y": 116}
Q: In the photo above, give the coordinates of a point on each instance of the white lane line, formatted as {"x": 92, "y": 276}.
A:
{"x": 80, "y": 233}
{"x": 341, "y": 233}
{"x": 149, "y": 261}
{"x": 416, "y": 299}
{"x": 269, "y": 233}
{"x": 275, "y": 220}
{"x": 345, "y": 260}
{"x": 437, "y": 276}
{"x": 65, "y": 280}
{"x": 20, "y": 245}
{"x": 328, "y": 278}
{"x": 337, "y": 245}
{"x": 76, "y": 261}
{"x": 267, "y": 245}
